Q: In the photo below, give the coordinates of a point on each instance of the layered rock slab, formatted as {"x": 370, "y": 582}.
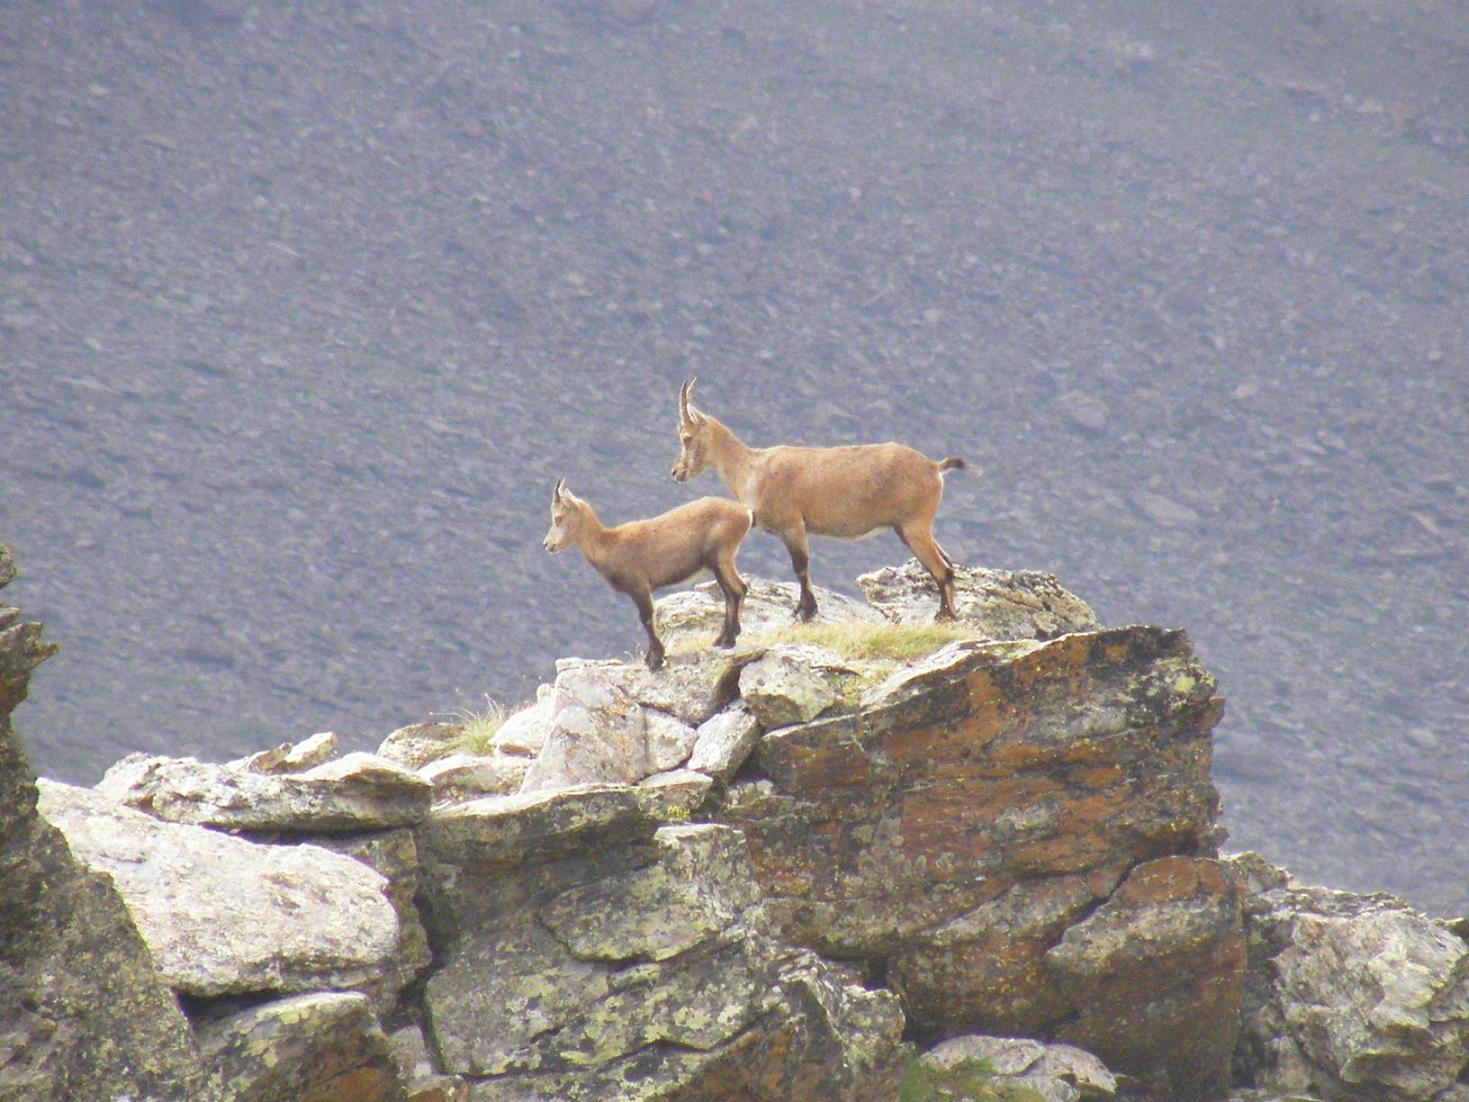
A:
{"x": 591, "y": 953}
{"x": 979, "y": 804}
{"x": 357, "y": 792}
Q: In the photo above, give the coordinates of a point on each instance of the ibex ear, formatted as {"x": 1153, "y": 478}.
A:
{"x": 560, "y": 491}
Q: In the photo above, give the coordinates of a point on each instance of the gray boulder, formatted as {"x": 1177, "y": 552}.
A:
{"x": 791, "y": 683}
{"x": 724, "y": 741}
{"x": 223, "y": 915}
{"x": 418, "y": 744}
{"x": 669, "y": 740}
{"x": 524, "y": 732}
{"x": 459, "y": 777}
{"x": 614, "y": 722}
{"x": 597, "y": 732}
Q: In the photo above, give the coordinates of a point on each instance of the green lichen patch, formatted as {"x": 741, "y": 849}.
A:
{"x": 972, "y": 1081}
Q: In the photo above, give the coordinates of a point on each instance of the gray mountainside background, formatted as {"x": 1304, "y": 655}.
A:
{"x": 304, "y": 309}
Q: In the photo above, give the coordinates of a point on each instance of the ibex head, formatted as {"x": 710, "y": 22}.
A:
{"x": 693, "y": 437}
{"x": 566, "y": 514}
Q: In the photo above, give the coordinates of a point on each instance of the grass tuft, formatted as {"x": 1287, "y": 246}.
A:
{"x": 480, "y": 728}
{"x": 873, "y": 642}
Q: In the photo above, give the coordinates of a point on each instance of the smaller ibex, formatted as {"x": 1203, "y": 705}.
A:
{"x": 847, "y": 492}
{"x": 643, "y": 555}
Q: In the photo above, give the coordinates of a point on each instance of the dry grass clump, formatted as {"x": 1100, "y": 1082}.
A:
{"x": 479, "y": 728}
{"x": 873, "y": 642}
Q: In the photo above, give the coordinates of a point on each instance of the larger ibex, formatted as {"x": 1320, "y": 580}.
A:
{"x": 847, "y": 492}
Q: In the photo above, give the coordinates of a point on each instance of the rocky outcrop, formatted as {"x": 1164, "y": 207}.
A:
{"x": 1350, "y": 996}
{"x": 590, "y": 952}
{"x": 84, "y": 1015}
{"x": 744, "y": 877}
{"x": 978, "y": 805}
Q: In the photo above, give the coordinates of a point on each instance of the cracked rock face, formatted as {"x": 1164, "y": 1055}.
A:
{"x": 612, "y": 722}
{"x": 1350, "y": 996}
{"x": 1155, "y": 974}
{"x": 633, "y": 963}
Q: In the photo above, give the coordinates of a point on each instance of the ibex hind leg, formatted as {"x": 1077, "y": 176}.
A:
{"x": 734, "y": 588}
{"x": 801, "y": 564}
{"x": 919, "y": 539}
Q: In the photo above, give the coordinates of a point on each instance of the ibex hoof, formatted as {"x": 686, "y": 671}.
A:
{"x": 654, "y": 660}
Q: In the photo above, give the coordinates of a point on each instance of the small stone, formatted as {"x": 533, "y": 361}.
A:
{"x": 290, "y": 757}
{"x": 1087, "y": 411}
{"x": 418, "y": 744}
{"x": 724, "y": 741}
{"x": 1164, "y": 511}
